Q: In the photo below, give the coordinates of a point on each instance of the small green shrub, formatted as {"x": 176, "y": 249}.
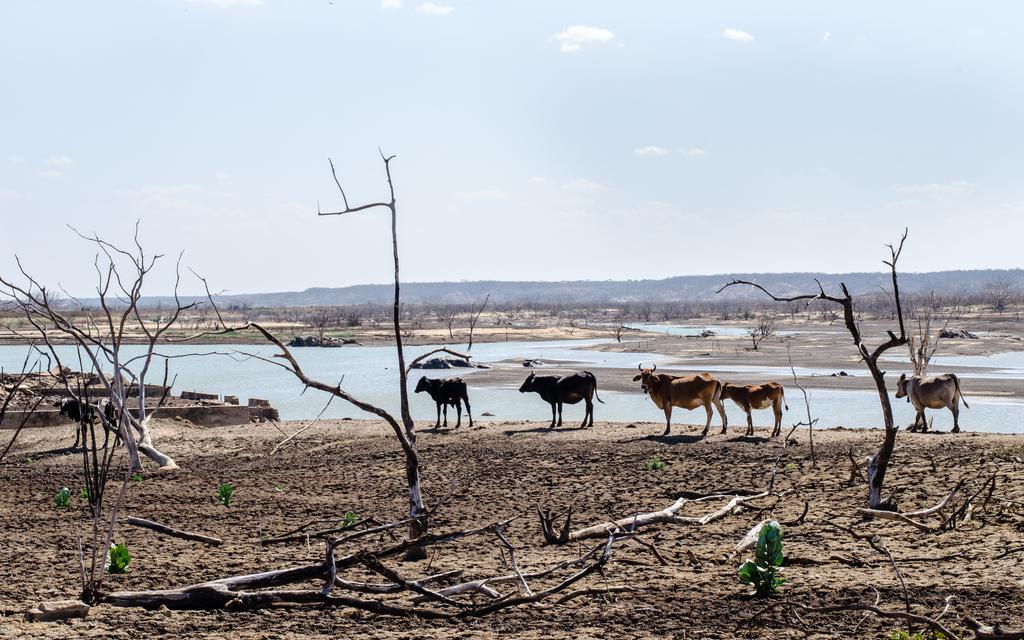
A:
{"x": 655, "y": 463}
{"x": 118, "y": 558}
{"x": 224, "y": 493}
{"x": 349, "y": 519}
{"x": 84, "y": 493}
{"x": 63, "y": 498}
{"x": 762, "y": 572}
{"x": 137, "y": 478}
{"x": 279, "y": 488}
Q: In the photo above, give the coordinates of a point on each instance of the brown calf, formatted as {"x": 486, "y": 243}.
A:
{"x": 758, "y": 396}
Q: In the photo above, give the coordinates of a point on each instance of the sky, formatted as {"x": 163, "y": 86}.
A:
{"x": 534, "y": 140}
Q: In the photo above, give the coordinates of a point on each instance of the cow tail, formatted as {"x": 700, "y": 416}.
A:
{"x": 784, "y": 398}
{"x": 959, "y": 393}
{"x": 595, "y": 387}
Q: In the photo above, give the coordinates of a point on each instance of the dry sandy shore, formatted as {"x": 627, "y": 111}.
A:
{"x": 502, "y": 470}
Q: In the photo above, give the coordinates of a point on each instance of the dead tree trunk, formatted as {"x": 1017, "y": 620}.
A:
{"x": 877, "y": 464}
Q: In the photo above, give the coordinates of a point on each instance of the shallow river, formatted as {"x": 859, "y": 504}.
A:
{"x": 371, "y": 373}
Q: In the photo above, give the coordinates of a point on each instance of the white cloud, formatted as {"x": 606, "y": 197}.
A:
{"x": 60, "y": 160}
{"x": 574, "y": 37}
{"x": 737, "y": 34}
{"x": 432, "y": 9}
{"x": 483, "y": 194}
{"x": 825, "y": 37}
{"x": 51, "y": 174}
{"x": 539, "y": 180}
{"x": 694, "y": 151}
{"x": 652, "y": 150}
{"x": 15, "y": 159}
{"x": 391, "y": 4}
{"x": 950, "y": 189}
{"x": 582, "y": 185}
{"x": 227, "y": 4}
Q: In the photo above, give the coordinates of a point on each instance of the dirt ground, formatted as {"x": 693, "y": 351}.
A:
{"x": 503, "y": 470}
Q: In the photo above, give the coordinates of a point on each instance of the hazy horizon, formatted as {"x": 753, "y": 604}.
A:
{"x": 535, "y": 142}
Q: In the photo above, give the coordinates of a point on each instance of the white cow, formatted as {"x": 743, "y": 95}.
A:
{"x": 932, "y": 393}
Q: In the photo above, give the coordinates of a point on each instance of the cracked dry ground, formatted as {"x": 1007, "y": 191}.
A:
{"x": 503, "y": 470}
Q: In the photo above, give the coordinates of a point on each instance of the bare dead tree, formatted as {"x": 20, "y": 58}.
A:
{"x": 474, "y": 317}
{"x": 879, "y": 463}
{"x": 619, "y": 328}
{"x": 921, "y": 343}
{"x": 122, "y": 275}
{"x": 405, "y": 431}
{"x": 447, "y": 315}
{"x": 765, "y": 329}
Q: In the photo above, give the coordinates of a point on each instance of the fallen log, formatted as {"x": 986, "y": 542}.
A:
{"x": 667, "y": 515}
{"x": 175, "y": 533}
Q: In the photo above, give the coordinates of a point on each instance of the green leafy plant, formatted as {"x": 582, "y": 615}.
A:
{"x": 63, "y": 498}
{"x": 137, "y": 478}
{"x": 118, "y": 558}
{"x": 279, "y": 488}
{"x": 655, "y": 464}
{"x": 84, "y": 493}
{"x": 762, "y": 572}
{"x": 349, "y": 519}
{"x": 225, "y": 492}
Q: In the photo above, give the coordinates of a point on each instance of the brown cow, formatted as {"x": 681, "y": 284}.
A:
{"x": 685, "y": 392}
{"x": 932, "y": 393}
{"x": 758, "y": 396}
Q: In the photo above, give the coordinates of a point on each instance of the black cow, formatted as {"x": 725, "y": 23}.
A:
{"x": 447, "y": 392}
{"x": 84, "y": 414}
{"x": 570, "y": 389}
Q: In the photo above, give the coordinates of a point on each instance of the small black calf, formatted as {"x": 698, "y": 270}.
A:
{"x": 86, "y": 414}
{"x": 447, "y": 392}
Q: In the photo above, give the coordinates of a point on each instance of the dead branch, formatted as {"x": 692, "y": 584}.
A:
{"x": 176, "y": 533}
{"x": 984, "y": 631}
{"x": 879, "y": 463}
{"x": 932, "y": 623}
{"x": 667, "y": 515}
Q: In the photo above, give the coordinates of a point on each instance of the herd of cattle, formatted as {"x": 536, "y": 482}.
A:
{"x": 666, "y": 391}
{"x": 689, "y": 392}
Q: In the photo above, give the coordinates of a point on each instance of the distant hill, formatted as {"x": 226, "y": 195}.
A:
{"x": 679, "y": 288}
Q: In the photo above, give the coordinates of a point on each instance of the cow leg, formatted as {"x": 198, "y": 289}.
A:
{"x": 750, "y": 422}
{"x": 668, "y": 419}
{"x": 106, "y": 436}
{"x": 707, "y": 425}
{"x": 589, "y": 414}
{"x": 458, "y": 409}
{"x": 468, "y": 411}
{"x": 721, "y": 411}
{"x": 560, "y": 414}
{"x": 922, "y": 421}
{"x": 79, "y": 435}
{"x": 553, "y": 410}
{"x": 955, "y": 408}
{"x": 446, "y": 415}
{"x": 778, "y": 421}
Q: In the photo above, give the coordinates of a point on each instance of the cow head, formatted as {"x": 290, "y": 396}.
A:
{"x": 645, "y": 377}
{"x": 528, "y": 383}
{"x": 901, "y": 387}
{"x": 62, "y": 405}
{"x": 422, "y": 385}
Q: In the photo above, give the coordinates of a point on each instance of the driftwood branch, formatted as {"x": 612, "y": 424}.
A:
{"x": 175, "y": 533}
